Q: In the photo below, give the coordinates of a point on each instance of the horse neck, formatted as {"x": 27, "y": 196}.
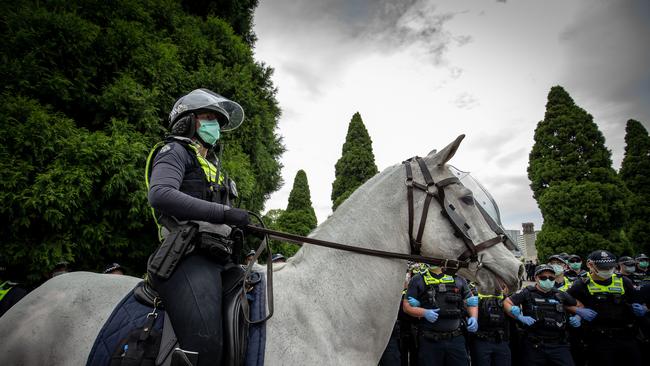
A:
{"x": 359, "y": 291}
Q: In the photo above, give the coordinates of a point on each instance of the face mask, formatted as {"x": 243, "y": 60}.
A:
{"x": 557, "y": 268}
{"x": 643, "y": 264}
{"x": 209, "y": 131}
{"x": 546, "y": 284}
{"x": 605, "y": 274}
{"x": 576, "y": 266}
{"x": 629, "y": 269}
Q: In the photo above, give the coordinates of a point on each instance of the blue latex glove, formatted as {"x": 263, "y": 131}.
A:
{"x": 472, "y": 325}
{"x": 586, "y": 314}
{"x": 413, "y": 302}
{"x": 472, "y": 301}
{"x": 575, "y": 321}
{"x": 553, "y": 301}
{"x": 639, "y": 310}
{"x": 515, "y": 311}
{"x": 431, "y": 315}
{"x": 526, "y": 320}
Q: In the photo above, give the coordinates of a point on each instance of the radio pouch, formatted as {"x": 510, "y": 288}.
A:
{"x": 176, "y": 245}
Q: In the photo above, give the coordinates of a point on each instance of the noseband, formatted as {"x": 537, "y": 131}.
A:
{"x": 437, "y": 190}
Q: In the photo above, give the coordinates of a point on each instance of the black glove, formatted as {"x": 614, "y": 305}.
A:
{"x": 235, "y": 216}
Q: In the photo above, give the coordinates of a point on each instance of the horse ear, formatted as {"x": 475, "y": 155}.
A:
{"x": 432, "y": 153}
{"x": 448, "y": 152}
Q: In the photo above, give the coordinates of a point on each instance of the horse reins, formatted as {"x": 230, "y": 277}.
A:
{"x": 433, "y": 190}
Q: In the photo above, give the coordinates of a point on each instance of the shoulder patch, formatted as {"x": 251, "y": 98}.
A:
{"x": 164, "y": 149}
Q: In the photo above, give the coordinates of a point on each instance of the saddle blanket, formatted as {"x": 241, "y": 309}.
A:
{"x": 130, "y": 314}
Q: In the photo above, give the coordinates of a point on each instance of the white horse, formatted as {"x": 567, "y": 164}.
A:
{"x": 331, "y": 307}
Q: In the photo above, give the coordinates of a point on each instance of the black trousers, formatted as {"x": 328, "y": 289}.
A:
{"x": 486, "y": 353}
{"x": 613, "y": 351}
{"x": 192, "y": 296}
{"x": 391, "y": 355}
{"x": 448, "y": 352}
{"x": 543, "y": 354}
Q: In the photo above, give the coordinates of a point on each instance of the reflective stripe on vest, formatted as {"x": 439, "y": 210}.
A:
{"x": 4, "y": 289}
{"x": 481, "y": 296}
{"x": 616, "y": 287}
{"x": 567, "y": 284}
{"x": 430, "y": 280}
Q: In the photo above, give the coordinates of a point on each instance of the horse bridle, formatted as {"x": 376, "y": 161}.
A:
{"x": 461, "y": 227}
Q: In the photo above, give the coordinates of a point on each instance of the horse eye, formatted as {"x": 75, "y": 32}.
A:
{"x": 469, "y": 200}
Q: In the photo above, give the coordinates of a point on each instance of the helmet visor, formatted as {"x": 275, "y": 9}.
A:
{"x": 204, "y": 99}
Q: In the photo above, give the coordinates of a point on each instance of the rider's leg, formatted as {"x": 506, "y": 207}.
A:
{"x": 193, "y": 301}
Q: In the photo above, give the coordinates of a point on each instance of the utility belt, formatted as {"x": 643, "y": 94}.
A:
{"x": 439, "y": 336}
{"x": 494, "y": 336}
{"x": 539, "y": 339}
{"x": 215, "y": 241}
{"x": 592, "y": 333}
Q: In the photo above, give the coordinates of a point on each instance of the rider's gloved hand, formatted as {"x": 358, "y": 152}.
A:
{"x": 515, "y": 311}
{"x": 472, "y": 325}
{"x": 472, "y": 301}
{"x": 586, "y": 314}
{"x": 431, "y": 315}
{"x": 235, "y": 216}
{"x": 526, "y": 319}
{"x": 413, "y": 302}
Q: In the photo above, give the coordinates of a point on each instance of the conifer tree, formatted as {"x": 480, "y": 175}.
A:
{"x": 86, "y": 90}
{"x": 357, "y": 162}
{"x": 583, "y": 201}
{"x": 635, "y": 172}
{"x": 299, "y": 217}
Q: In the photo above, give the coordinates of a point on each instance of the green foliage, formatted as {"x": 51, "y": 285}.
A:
{"x": 583, "y": 201}
{"x": 87, "y": 87}
{"x": 635, "y": 172}
{"x": 357, "y": 162}
{"x": 299, "y": 217}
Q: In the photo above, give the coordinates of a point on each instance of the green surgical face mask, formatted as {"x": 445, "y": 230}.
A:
{"x": 643, "y": 264}
{"x": 546, "y": 284}
{"x": 209, "y": 131}
{"x": 576, "y": 266}
{"x": 558, "y": 269}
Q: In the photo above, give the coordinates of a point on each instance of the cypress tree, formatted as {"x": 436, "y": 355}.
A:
{"x": 635, "y": 172}
{"x": 299, "y": 217}
{"x": 357, "y": 162}
{"x": 582, "y": 200}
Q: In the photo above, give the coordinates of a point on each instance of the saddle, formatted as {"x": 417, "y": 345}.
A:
{"x": 235, "y": 328}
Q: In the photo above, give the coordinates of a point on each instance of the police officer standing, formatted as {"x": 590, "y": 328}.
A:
{"x": 627, "y": 267}
{"x": 575, "y": 268}
{"x": 641, "y": 274}
{"x": 608, "y": 312}
{"x": 439, "y": 300}
{"x": 542, "y": 311}
{"x": 559, "y": 266}
{"x": 490, "y": 345}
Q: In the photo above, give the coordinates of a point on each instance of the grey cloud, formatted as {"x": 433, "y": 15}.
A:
{"x": 466, "y": 101}
{"x": 608, "y": 50}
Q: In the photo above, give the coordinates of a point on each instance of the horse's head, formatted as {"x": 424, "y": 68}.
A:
{"x": 469, "y": 221}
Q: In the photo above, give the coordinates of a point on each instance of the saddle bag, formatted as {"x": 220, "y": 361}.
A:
{"x": 140, "y": 347}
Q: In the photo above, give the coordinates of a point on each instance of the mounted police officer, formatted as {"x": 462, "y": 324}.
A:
{"x": 542, "y": 311}
{"x": 575, "y": 268}
{"x": 641, "y": 274}
{"x": 439, "y": 300}
{"x": 608, "y": 312}
{"x": 186, "y": 184}
{"x": 490, "y": 344}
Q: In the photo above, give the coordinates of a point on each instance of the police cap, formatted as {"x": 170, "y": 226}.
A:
{"x": 557, "y": 257}
{"x": 250, "y": 254}
{"x": 602, "y": 259}
{"x": 628, "y": 261}
{"x": 543, "y": 267}
{"x": 641, "y": 256}
{"x": 574, "y": 258}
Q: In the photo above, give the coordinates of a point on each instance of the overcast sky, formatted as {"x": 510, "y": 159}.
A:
{"x": 421, "y": 73}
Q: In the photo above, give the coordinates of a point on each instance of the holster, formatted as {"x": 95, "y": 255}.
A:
{"x": 177, "y": 244}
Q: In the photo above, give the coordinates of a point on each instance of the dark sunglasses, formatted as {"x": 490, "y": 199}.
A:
{"x": 544, "y": 278}
{"x": 574, "y": 261}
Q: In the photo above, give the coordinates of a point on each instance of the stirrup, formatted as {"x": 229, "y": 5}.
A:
{"x": 182, "y": 357}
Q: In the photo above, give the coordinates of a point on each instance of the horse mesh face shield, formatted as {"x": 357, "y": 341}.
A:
{"x": 484, "y": 199}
